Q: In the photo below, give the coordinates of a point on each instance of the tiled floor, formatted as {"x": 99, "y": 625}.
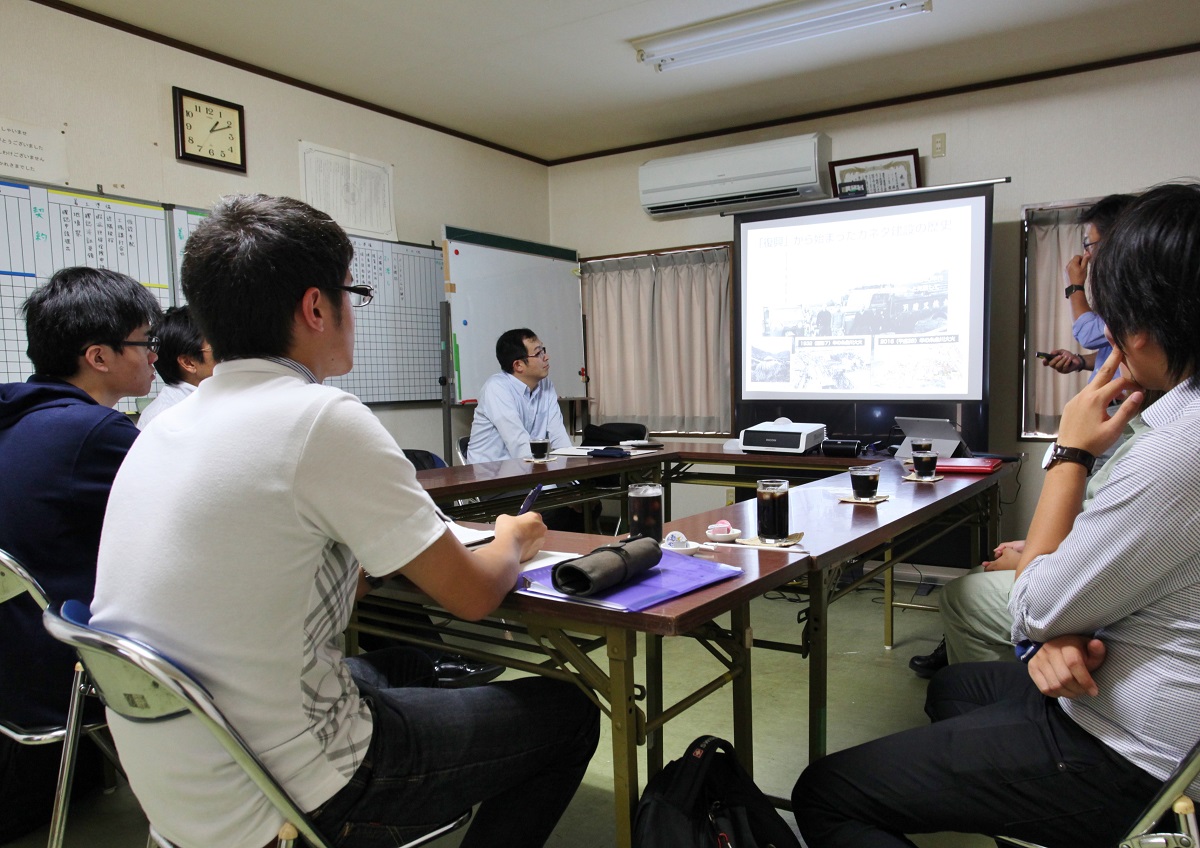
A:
{"x": 872, "y": 692}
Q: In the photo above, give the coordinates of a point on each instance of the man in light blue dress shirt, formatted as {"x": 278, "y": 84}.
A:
{"x": 517, "y": 404}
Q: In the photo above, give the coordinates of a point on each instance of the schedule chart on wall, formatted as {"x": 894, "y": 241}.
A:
{"x": 45, "y": 229}
{"x": 397, "y": 347}
{"x": 183, "y": 222}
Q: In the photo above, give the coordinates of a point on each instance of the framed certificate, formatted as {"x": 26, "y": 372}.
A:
{"x": 876, "y": 174}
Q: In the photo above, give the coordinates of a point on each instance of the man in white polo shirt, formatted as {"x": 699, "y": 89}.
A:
{"x": 233, "y": 542}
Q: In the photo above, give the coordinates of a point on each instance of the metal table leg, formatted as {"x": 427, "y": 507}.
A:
{"x": 622, "y": 649}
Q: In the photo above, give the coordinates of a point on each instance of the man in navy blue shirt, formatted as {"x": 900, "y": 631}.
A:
{"x": 61, "y": 443}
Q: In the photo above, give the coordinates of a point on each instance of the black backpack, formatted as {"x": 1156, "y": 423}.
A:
{"x": 705, "y": 799}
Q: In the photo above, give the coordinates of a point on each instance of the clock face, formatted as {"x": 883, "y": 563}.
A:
{"x": 209, "y": 130}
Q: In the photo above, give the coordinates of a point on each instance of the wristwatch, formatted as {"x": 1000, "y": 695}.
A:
{"x": 1060, "y": 454}
{"x": 1071, "y": 289}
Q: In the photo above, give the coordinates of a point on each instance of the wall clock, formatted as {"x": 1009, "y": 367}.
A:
{"x": 208, "y": 130}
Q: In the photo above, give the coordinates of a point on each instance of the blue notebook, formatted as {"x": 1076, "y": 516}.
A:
{"x": 674, "y": 575}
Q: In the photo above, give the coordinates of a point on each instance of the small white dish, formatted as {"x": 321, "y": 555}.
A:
{"x": 723, "y": 537}
{"x": 687, "y": 550}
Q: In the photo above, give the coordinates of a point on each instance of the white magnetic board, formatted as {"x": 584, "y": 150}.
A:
{"x": 491, "y": 290}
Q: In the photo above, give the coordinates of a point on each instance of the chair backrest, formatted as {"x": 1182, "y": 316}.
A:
{"x": 462, "y": 449}
{"x": 1175, "y": 785}
{"x": 423, "y": 460}
{"x": 140, "y": 684}
{"x": 611, "y": 433}
{"x": 15, "y": 580}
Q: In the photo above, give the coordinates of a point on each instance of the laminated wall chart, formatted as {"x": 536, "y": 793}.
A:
{"x": 397, "y": 337}
{"x": 397, "y": 352}
{"x": 44, "y": 229}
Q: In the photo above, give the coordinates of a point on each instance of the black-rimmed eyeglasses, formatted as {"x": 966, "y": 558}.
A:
{"x": 539, "y": 352}
{"x": 1088, "y": 245}
{"x": 151, "y": 343}
{"x": 359, "y": 295}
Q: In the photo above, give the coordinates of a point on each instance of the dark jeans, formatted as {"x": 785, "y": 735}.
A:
{"x": 520, "y": 747}
{"x": 999, "y": 759}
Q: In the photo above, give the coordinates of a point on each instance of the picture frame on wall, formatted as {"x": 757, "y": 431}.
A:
{"x": 877, "y": 174}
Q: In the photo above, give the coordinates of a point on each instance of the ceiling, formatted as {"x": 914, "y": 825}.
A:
{"x": 558, "y": 79}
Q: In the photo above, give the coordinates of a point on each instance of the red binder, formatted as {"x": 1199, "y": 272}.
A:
{"x": 969, "y": 465}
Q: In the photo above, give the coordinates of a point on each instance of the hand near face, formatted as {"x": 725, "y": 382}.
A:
{"x": 1076, "y": 269}
{"x": 1085, "y": 421}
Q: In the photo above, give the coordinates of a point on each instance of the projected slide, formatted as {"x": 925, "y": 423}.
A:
{"x": 883, "y": 302}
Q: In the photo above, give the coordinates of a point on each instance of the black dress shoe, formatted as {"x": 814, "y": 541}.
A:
{"x": 455, "y": 671}
{"x": 928, "y": 665}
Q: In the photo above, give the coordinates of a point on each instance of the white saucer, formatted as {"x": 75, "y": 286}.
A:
{"x": 723, "y": 537}
{"x": 687, "y": 550}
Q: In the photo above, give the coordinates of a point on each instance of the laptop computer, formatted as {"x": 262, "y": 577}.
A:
{"x": 946, "y": 439}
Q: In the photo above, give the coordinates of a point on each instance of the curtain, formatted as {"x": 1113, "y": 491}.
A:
{"x": 658, "y": 339}
{"x": 1054, "y": 236}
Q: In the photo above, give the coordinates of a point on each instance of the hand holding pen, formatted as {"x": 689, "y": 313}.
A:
{"x": 532, "y": 497}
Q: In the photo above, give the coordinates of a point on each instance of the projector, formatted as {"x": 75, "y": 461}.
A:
{"x": 782, "y": 436}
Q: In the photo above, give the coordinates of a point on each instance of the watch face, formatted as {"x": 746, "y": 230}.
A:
{"x": 209, "y": 130}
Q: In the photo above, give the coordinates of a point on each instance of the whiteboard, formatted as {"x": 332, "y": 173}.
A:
{"x": 491, "y": 290}
{"x": 44, "y": 229}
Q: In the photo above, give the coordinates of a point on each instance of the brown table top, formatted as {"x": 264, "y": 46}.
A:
{"x": 711, "y": 452}
{"x": 461, "y": 481}
{"x": 835, "y": 531}
{"x": 762, "y": 571}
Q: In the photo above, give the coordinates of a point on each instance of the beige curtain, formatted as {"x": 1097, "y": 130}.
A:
{"x": 1054, "y": 237}
{"x": 658, "y": 340}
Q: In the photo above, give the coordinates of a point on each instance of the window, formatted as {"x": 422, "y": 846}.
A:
{"x": 658, "y": 330}
{"x": 1052, "y": 235}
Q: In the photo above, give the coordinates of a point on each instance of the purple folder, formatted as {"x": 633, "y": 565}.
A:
{"x": 674, "y": 575}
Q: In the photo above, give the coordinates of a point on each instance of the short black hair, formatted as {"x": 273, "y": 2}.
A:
{"x": 511, "y": 346}
{"x": 1104, "y": 212}
{"x": 78, "y": 307}
{"x": 1146, "y": 274}
{"x": 247, "y": 265}
{"x": 178, "y": 336}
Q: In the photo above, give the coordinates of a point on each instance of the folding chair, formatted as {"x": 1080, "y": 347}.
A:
{"x": 14, "y": 582}
{"x": 140, "y": 684}
{"x": 1145, "y": 833}
{"x": 462, "y": 443}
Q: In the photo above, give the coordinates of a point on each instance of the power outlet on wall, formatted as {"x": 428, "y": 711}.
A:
{"x": 939, "y": 145}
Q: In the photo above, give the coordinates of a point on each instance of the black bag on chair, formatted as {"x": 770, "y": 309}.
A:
{"x": 706, "y": 800}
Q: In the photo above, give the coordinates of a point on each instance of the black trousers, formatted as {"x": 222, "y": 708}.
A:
{"x": 999, "y": 759}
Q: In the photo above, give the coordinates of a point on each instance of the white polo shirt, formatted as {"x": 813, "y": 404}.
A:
{"x": 230, "y": 544}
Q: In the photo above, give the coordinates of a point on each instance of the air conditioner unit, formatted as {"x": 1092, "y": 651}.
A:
{"x": 786, "y": 170}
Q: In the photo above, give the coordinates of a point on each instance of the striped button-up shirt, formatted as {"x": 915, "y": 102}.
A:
{"x": 1129, "y": 572}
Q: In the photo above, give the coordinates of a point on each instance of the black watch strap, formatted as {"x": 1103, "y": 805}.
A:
{"x": 1071, "y": 289}
{"x": 1078, "y": 455}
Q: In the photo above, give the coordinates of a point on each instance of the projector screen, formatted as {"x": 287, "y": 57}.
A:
{"x": 875, "y": 299}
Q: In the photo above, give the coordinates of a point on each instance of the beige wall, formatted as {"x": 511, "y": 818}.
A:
{"x": 111, "y": 93}
{"x": 1114, "y": 130}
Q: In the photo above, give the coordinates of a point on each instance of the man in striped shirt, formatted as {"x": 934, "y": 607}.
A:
{"x": 1106, "y": 604}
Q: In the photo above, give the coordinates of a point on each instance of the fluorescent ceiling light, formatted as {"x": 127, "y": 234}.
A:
{"x": 768, "y": 26}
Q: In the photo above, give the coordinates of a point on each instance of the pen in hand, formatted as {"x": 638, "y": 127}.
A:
{"x": 527, "y": 504}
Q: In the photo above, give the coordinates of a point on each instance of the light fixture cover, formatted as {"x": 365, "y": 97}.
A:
{"x": 769, "y": 26}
